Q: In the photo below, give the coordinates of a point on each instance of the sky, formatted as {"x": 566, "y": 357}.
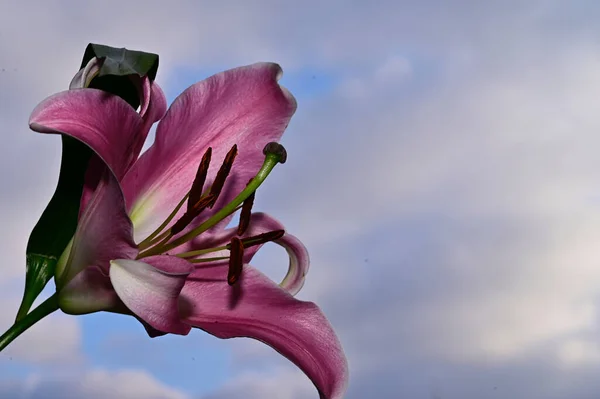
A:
{"x": 443, "y": 171}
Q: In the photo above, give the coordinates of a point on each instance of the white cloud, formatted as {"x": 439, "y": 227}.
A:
{"x": 494, "y": 181}
{"x": 123, "y": 384}
{"x": 55, "y": 340}
{"x": 279, "y": 383}
{"x": 459, "y": 222}
{"x": 578, "y": 353}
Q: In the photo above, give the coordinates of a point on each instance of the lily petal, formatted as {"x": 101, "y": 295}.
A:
{"x": 145, "y": 91}
{"x": 104, "y": 122}
{"x": 299, "y": 263}
{"x": 104, "y": 232}
{"x": 85, "y": 75}
{"x": 153, "y": 108}
{"x": 243, "y": 106}
{"x": 151, "y": 289}
{"x": 257, "y": 308}
{"x": 259, "y": 223}
{"x": 89, "y": 291}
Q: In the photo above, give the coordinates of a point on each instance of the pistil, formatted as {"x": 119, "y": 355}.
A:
{"x": 222, "y": 174}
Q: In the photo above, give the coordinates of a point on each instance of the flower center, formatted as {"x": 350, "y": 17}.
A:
{"x": 198, "y": 199}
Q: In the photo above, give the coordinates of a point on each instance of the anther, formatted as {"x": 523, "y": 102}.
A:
{"x": 181, "y": 223}
{"x": 199, "y": 180}
{"x": 192, "y": 212}
{"x": 277, "y": 150}
{"x": 236, "y": 260}
{"x": 246, "y": 213}
{"x": 202, "y": 204}
{"x": 222, "y": 174}
{"x": 260, "y": 238}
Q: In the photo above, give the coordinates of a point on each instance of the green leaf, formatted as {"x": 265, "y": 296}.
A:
{"x": 122, "y": 62}
{"x": 118, "y": 65}
{"x": 57, "y": 224}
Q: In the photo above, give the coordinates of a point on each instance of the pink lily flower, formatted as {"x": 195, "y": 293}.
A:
{"x": 140, "y": 250}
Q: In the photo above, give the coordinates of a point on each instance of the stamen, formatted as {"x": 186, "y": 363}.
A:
{"x": 181, "y": 223}
{"x": 236, "y": 260}
{"x": 203, "y": 203}
{"x": 262, "y": 238}
{"x": 199, "y": 180}
{"x": 193, "y": 201}
{"x": 152, "y": 239}
{"x": 274, "y": 155}
{"x": 246, "y": 213}
{"x": 192, "y": 212}
{"x": 247, "y": 242}
{"x": 206, "y": 260}
{"x": 199, "y": 252}
{"x": 222, "y": 174}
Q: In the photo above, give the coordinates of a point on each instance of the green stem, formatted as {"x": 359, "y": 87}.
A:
{"x": 48, "y": 306}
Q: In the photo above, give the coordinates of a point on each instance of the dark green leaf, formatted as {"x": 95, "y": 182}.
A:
{"x": 57, "y": 225}
{"x": 118, "y": 65}
{"x": 122, "y": 62}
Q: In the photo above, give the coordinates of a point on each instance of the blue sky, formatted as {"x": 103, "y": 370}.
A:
{"x": 443, "y": 172}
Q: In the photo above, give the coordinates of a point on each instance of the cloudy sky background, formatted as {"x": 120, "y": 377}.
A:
{"x": 443, "y": 170}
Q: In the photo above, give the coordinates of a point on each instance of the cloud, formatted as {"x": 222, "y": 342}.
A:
{"x": 453, "y": 217}
{"x": 279, "y": 383}
{"x": 123, "y": 384}
{"x": 578, "y": 353}
{"x": 55, "y": 340}
{"x": 475, "y": 209}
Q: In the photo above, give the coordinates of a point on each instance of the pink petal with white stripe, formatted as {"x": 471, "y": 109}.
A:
{"x": 150, "y": 289}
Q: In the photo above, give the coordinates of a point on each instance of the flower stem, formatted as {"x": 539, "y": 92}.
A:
{"x": 48, "y": 306}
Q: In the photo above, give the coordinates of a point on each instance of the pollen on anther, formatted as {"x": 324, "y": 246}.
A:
{"x": 261, "y": 238}
{"x": 200, "y": 179}
{"x": 236, "y": 260}
{"x": 181, "y": 223}
{"x": 202, "y": 204}
{"x": 246, "y": 213}
{"x": 193, "y": 211}
{"x": 222, "y": 174}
